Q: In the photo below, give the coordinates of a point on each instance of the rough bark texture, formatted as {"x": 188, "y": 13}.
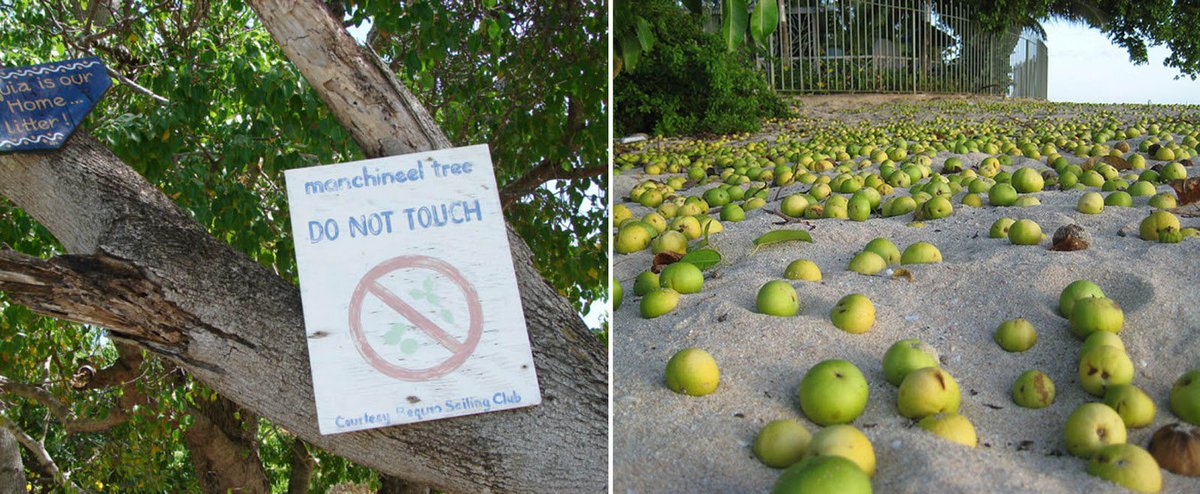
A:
{"x": 144, "y": 269}
{"x": 384, "y": 117}
{"x": 12, "y": 471}
{"x": 224, "y": 449}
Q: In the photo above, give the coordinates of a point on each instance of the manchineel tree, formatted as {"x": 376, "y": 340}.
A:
{"x": 157, "y": 241}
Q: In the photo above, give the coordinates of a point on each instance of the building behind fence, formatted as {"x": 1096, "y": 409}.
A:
{"x": 900, "y": 46}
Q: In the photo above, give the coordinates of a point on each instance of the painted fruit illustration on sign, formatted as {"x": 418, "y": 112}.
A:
{"x": 416, "y": 336}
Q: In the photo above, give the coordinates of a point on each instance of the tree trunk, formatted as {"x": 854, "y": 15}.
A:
{"x": 12, "y": 472}
{"x": 143, "y": 268}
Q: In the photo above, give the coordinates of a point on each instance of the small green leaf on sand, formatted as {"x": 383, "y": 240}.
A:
{"x": 702, "y": 258}
{"x": 778, "y": 236}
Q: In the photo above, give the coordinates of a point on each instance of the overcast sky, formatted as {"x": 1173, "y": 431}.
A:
{"x": 1086, "y": 67}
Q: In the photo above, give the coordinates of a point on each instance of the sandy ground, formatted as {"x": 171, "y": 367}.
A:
{"x": 665, "y": 442}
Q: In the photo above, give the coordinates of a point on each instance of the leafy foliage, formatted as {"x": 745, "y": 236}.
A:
{"x": 690, "y": 83}
{"x": 512, "y": 74}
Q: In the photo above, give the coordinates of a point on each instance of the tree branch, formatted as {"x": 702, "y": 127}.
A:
{"x": 136, "y": 87}
{"x": 302, "y": 465}
{"x": 545, "y": 172}
{"x": 124, "y": 371}
{"x": 61, "y": 412}
{"x": 39, "y": 452}
{"x": 549, "y": 169}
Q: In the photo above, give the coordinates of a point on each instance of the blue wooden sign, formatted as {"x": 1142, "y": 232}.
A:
{"x": 40, "y": 105}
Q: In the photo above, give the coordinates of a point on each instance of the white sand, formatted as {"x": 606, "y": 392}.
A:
{"x": 665, "y": 442}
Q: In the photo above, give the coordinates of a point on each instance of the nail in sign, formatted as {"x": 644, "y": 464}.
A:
{"x": 41, "y": 105}
{"x": 411, "y": 307}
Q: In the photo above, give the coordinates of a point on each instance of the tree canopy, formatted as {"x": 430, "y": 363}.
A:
{"x": 1133, "y": 25}
{"x": 209, "y": 110}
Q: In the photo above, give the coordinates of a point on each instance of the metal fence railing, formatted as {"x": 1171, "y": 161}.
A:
{"x": 895, "y": 46}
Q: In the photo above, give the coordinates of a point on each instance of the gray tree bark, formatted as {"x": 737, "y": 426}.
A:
{"x": 140, "y": 266}
{"x": 12, "y": 471}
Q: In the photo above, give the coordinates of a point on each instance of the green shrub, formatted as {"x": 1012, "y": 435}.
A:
{"x": 688, "y": 83}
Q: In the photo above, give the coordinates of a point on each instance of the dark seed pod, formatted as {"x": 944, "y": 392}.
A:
{"x": 1176, "y": 447}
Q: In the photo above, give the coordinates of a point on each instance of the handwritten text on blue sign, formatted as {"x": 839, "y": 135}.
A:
{"x": 41, "y": 105}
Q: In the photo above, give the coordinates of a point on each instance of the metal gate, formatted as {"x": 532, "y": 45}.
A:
{"x": 895, "y": 46}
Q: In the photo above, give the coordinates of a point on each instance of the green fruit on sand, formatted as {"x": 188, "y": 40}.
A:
{"x": 693, "y": 372}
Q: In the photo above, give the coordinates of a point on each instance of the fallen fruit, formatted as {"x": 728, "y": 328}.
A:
{"x": 693, "y": 372}
{"x": 1025, "y": 232}
{"x": 683, "y": 277}
{"x": 1090, "y": 203}
{"x": 823, "y": 475}
{"x": 1157, "y": 221}
{"x": 1102, "y": 367}
{"x": 1033, "y": 389}
{"x": 905, "y": 356}
{"x": 1016, "y": 335}
{"x": 659, "y": 302}
{"x": 1101, "y": 338}
{"x": 781, "y": 443}
{"x": 670, "y": 241}
{"x": 1128, "y": 466}
{"x": 854, "y": 313}
{"x": 1002, "y": 194}
{"x": 1135, "y": 407}
{"x": 951, "y": 426}
{"x": 833, "y": 392}
{"x": 802, "y": 269}
{"x": 1091, "y": 314}
{"x": 646, "y": 283}
{"x": 1074, "y": 291}
{"x": 1000, "y": 228}
{"x": 885, "y": 249}
{"x": 847, "y": 442}
{"x": 777, "y": 298}
{"x": 927, "y": 391}
{"x": 1092, "y": 426}
{"x": 921, "y": 253}
{"x": 867, "y": 262}
{"x": 632, "y": 238}
{"x": 1185, "y": 397}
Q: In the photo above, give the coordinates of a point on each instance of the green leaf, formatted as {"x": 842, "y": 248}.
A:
{"x": 764, "y": 20}
{"x": 695, "y": 6}
{"x": 644, "y": 34}
{"x": 631, "y": 50}
{"x": 447, "y": 316}
{"x": 433, "y": 298}
{"x": 733, "y": 23}
{"x": 778, "y": 236}
{"x": 702, "y": 258}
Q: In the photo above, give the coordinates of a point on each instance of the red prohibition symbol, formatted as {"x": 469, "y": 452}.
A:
{"x": 460, "y": 350}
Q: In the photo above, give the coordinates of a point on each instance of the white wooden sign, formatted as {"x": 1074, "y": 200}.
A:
{"x": 410, "y": 300}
